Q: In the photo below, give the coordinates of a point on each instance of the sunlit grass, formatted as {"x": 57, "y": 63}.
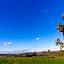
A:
{"x": 32, "y": 60}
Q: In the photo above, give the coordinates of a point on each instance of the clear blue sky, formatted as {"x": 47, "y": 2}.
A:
{"x": 22, "y": 21}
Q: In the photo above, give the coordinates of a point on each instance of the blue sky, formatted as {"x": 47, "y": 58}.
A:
{"x": 29, "y": 24}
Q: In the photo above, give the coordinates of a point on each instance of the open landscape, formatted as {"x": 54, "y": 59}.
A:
{"x": 34, "y": 58}
{"x": 31, "y": 31}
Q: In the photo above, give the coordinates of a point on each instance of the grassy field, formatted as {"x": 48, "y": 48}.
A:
{"x": 32, "y": 60}
{"x": 45, "y": 58}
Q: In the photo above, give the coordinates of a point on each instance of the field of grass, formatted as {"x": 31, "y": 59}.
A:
{"x": 43, "y": 58}
{"x": 32, "y": 60}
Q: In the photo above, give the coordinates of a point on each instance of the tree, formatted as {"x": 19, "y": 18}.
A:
{"x": 59, "y": 42}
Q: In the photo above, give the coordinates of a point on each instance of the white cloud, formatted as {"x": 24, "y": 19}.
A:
{"x": 54, "y": 48}
{"x": 29, "y": 50}
{"x": 7, "y": 43}
{"x": 38, "y": 38}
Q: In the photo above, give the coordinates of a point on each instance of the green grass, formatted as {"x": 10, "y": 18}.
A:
{"x": 32, "y": 60}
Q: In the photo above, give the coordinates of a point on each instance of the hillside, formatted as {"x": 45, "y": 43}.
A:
{"x": 34, "y": 58}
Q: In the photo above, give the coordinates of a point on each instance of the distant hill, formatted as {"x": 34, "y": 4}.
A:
{"x": 53, "y": 54}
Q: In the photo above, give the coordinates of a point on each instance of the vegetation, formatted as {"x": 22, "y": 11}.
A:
{"x": 33, "y": 58}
